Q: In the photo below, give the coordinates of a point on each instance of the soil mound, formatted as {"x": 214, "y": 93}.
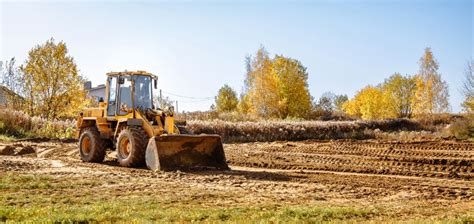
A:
{"x": 26, "y": 150}
{"x": 7, "y": 150}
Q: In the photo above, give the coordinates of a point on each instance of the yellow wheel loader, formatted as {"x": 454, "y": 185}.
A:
{"x": 140, "y": 132}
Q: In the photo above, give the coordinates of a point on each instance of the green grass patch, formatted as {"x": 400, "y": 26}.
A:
{"x": 49, "y": 199}
{"x": 7, "y": 138}
{"x": 30, "y": 182}
{"x": 42, "y": 198}
{"x": 464, "y": 219}
{"x": 17, "y": 182}
{"x": 141, "y": 210}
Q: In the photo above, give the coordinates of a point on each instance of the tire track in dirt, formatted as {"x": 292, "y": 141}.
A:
{"x": 293, "y": 172}
{"x": 449, "y": 164}
{"x": 394, "y": 159}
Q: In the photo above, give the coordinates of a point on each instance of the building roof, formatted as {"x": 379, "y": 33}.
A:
{"x": 102, "y": 86}
{"x": 5, "y": 89}
{"x": 131, "y": 73}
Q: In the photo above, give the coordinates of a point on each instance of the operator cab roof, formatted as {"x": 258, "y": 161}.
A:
{"x": 131, "y": 73}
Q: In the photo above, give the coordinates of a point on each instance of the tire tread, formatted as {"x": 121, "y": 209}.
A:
{"x": 98, "y": 146}
{"x": 137, "y": 156}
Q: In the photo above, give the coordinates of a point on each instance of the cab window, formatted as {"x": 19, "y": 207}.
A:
{"x": 125, "y": 95}
{"x": 112, "y": 104}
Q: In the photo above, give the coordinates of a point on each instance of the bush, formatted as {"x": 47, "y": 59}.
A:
{"x": 236, "y": 116}
{"x": 214, "y": 115}
{"x": 19, "y": 124}
{"x": 462, "y": 128}
{"x": 262, "y": 131}
{"x": 436, "y": 122}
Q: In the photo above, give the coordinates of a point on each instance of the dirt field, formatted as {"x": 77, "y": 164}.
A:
{"x": 348, "y": 181}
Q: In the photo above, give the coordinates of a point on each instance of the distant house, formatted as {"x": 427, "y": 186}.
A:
{"x": 95, "y": 93}
{"x": 9, "y": 98}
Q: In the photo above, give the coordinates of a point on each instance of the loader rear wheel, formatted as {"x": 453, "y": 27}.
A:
{"x": 131, "y": 146}
{"x": 91, "y": 146}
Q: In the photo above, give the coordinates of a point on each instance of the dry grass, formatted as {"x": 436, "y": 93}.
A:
{"x": 237, "y": 128}
{"x": 461, "y": 128}
{"x": 214, "y": 115}
{"x": 19, "y": 124}
{"x": 239, "y": 117}
{"x": 262, "y": 131}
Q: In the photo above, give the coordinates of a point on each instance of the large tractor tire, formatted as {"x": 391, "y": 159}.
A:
{"x": 91, "y": 146}
{"x": 131, "y": 146}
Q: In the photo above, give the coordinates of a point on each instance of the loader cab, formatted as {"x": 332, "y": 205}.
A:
{"x": 129, "y": 90}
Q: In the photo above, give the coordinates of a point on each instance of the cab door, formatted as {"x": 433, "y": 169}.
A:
{"x": 112, "y": 96}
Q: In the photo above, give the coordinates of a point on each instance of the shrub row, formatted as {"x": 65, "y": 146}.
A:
{"x": 237, "y": 117}
{"x": 19, "y": 124}
{"x": 262, "y": 131}
{"x": 214, "y": 115}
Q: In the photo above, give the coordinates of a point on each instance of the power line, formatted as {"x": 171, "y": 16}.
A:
{"x": 195, "y": 101}
{"x": 188, "y": 97}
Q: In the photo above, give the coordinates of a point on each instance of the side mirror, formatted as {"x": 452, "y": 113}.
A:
{"x": 155, "y": 83}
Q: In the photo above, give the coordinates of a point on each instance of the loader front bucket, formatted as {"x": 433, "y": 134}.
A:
{"x": 173, "y": 152}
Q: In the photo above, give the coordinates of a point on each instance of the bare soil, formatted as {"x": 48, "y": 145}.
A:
{"x": 432, "y": 179}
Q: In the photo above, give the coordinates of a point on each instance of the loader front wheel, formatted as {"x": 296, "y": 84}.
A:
{"x": 131, "y": 146}
{"x": 91, "y": 146}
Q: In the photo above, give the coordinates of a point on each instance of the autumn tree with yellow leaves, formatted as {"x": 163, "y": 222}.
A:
{"x": 275, "y": 87}
{"x": 292, "y": 79}
{"x": 53, "y": 87}
{"x": 403, "y": 96}
{"x": 226, "y": 99}
{"x": 244, "y": 106}
{"x": 391, "y": 99}
{"x": 368, "y": 104}
{"x": 431, "y": 94}
{"x": 398, "y": 92}
{"x": 262, "y": 86}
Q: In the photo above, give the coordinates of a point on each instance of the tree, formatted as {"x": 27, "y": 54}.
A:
{"x": 339, "y": 100}
{"x": 248, "y": 75}
{"x": 11, "y": 78}
{"x": 398, "y": 92}
{"x": 53, "y": 86}
{"x": 401, "y": 96}
{"x": 468, "y": 88}
{"x": 244, "y": 106}
{"x": 276, "y": 87}
{"x": 164, "y": 102}
{"x": 262, "y": 85}
{"x": 325, "y": 103}
{"x": 292, "y": 78}
{"x": 226, "y": 99}
{"x": 352, "y": 107}
{"x": 329, "y": 103}
{"x": 367, "y": 104}
{"x": 431, "y": 94}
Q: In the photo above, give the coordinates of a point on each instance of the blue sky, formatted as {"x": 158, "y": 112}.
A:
{"x": 195, "y": 47}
